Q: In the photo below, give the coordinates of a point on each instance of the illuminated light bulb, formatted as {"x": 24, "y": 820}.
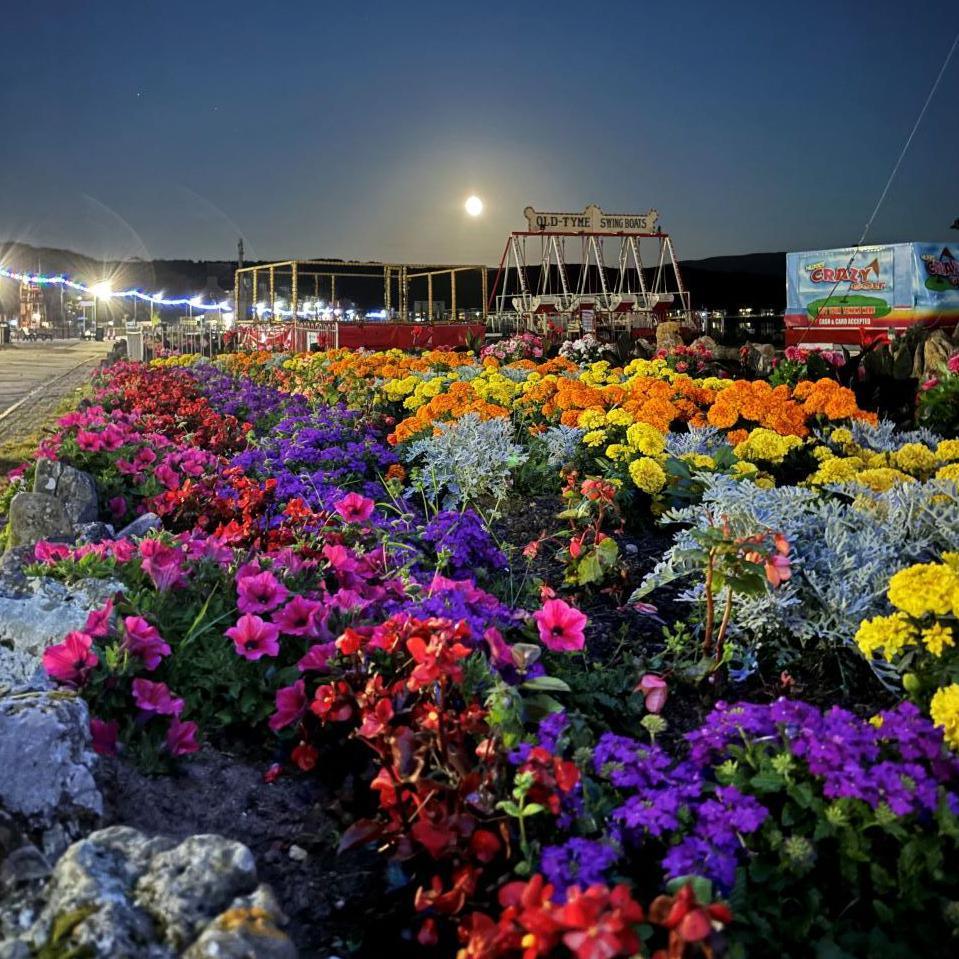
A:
{"x": 102, "y": 290}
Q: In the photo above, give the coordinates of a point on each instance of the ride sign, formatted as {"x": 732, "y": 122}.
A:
{"x": 592, "y": 220}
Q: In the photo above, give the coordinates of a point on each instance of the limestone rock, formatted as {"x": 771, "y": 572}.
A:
{"x": 140, "y": 526}
{"x": 122, "y": 894}
{"x": 668, "y": 335}
{"x": 93, "y": 532}
{"x": 37, "y": 516}
{"x": 75, "y": 489}
{"x": 45, "y": 752}
{"x": 36, "y": 612}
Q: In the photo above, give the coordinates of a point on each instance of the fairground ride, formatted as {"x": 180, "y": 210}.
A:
{"x": 299, "y": 304}
{"x": 590, "y": 272}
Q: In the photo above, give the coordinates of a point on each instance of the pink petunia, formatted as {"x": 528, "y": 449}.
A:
{"x": 654, "y": 690}
{"x": 98, "y": 620}
{"x": 952, "y": 364}
{"x": 167, "y": 476}
{"x": 104, "y": 736}
{"x": 45, "y": 552}
{"x": 118, "y": 507}
{"x": 260, "y": 593}
{"x": 156, "y": 698}
{"x": 301, "y": 617}
{"x": 254, "y": 638}
{"x": 71, "y": 661}
{"x": 89, "y": 442}
{"x": 144, "y": 642}
{"x": 290, "y": 705}
{"x": 560, "y": 626}
{"x": 354, "y": 508}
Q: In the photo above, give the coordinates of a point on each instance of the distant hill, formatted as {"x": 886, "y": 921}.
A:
{"x": 727, "y": 283}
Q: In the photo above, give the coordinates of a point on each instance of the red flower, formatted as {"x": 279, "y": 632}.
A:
{"x": 305, "y": 756}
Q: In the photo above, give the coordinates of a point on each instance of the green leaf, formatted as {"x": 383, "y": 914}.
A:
{"x": 546, "y": 684}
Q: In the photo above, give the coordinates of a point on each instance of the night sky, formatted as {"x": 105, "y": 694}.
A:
{"x": 167, "y": 129}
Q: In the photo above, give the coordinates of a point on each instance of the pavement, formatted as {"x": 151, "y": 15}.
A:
{"x": 34, "y": 377}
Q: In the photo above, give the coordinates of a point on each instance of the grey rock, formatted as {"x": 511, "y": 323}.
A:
{"x": 37, "y": 516}
{"x": 761, "y": 356}
{"x": 36, "y": 612}
{"x": 93, "y": 532}
{"x": 75, "y": 489}
{"x": 45, "y": 751}
{"x": 134, "y": 897}
{"x": 140, "y": 526}
{"x": 188, "y": 885}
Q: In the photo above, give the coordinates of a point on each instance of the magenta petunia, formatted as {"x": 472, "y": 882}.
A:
{"x": 560, "y": 626}
{"x": 254, "y": 637}
{"x": 181, "y": 737}
{"x": 317, "y": 657}
{"x": 98, "y": 621}
{"x": 354, "y": 508}
{"x": 301, "y": 617}
{"x": 104, "y": 736}
{"x": 290, "y": 705}
{"x": 156, "y": 698}
{"x": 144, "y": 641}
{"x": 259, "y": 593}
{"x": 162, "y": 563}
{"x": 71, "y": 661}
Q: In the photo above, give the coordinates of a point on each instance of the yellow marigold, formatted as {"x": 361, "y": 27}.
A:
{"x": 882, "y": 478}
{"x": 886, "y": 635}
{"x": 947, "y": 451}
{"x": 944, "y": 710}
{"x": 937, "y": 637}
{"x": 618, "y": 417}
{"x": 914, "y": 458}
{"x": 645, "y": 438}
{"x": 745, "y": 469}
{"x": 924, "y": 588}
{"x": 950, "y": 472}
{"x": 839, "y": 469}
{"x": 591, "y": 420}
{"x": 841, "y": 436}
{"x": 765, "y": 482}
{"x": 617, "y": 451}
{"x": 699, "y": 461}
{"x": 594, "y": 438}
{"x": 766, "y": 445}
{"x": 647, "y": 474}
{"x": 822, "y": 453}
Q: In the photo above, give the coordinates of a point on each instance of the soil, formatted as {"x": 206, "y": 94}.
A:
{"x": 337, "y": 905}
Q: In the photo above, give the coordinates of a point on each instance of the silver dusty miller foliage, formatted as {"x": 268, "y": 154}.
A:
{"x": 469, "y": 461}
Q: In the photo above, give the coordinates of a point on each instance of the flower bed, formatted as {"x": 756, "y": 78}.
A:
{"x": 430, "y": 575}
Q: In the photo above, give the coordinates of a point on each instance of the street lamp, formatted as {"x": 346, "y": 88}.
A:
{"x": 101, "y": 291}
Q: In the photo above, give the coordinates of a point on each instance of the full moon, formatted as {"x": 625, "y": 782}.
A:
{"x": 474, "y": 206}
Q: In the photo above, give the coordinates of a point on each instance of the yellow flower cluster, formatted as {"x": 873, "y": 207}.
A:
{"x": 647, "y": 474}
{"x": 886, "y": 635}
{"x": 944, "y": 710}
{"x": 927, "y": 588}
{"x": 766, "y": 446}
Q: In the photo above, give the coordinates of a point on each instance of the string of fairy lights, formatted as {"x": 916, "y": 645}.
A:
{"x": 104, "y": 291}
